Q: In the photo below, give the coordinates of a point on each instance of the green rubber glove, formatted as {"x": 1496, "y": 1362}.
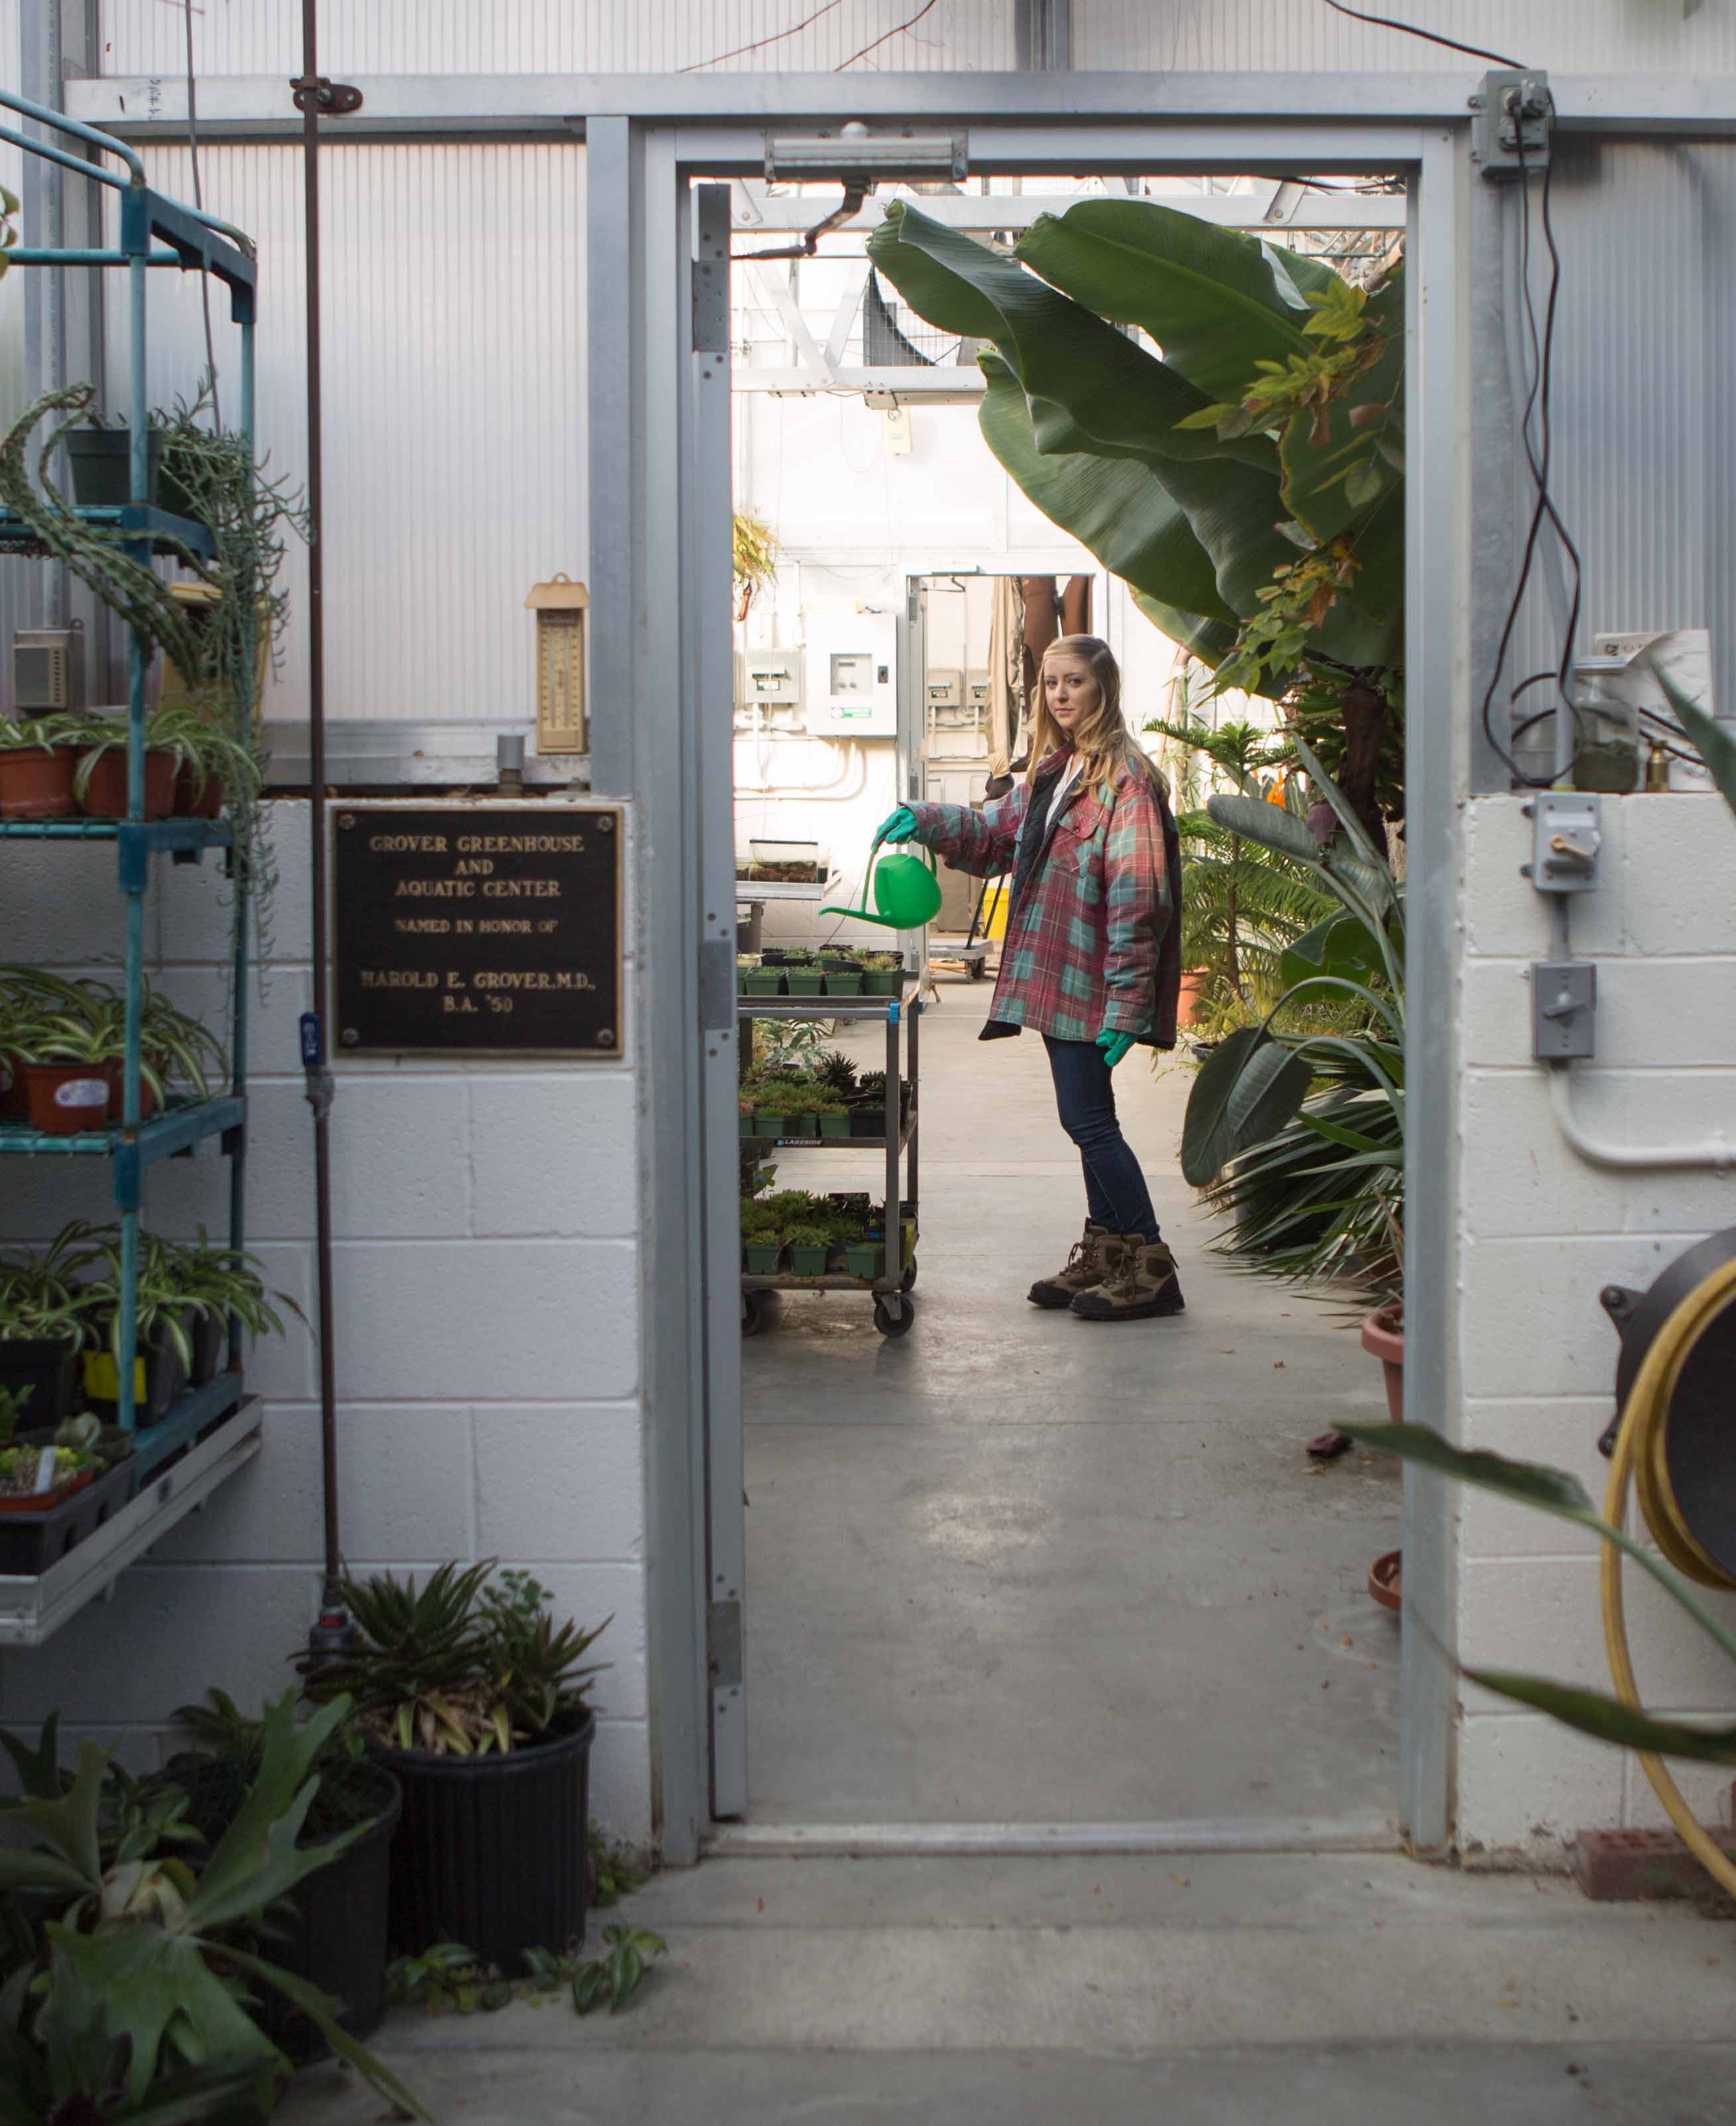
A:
{"x": 899, "y": 826}
{"x": 1114, "y": 1045}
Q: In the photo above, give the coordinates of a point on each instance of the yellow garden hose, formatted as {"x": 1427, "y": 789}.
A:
{"x": 1640, "y": 1447}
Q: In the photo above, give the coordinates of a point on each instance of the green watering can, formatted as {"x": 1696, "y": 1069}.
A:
{"x": 907, "y": 892}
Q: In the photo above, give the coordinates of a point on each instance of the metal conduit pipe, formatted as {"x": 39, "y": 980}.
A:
{"x": 331, "y": 1633}
{"x": 1716, "y": 1151}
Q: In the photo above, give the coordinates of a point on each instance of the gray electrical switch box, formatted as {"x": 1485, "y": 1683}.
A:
{"x": 1563, "y": 1010}
{"x": 1567, "y": 838}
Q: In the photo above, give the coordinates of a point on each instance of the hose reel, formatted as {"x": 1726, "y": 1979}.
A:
{"x": 1674, "y": 1436}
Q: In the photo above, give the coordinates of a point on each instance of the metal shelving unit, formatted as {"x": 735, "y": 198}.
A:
{"x": 895, "y": 1310}
{"x": 190, "y": 240}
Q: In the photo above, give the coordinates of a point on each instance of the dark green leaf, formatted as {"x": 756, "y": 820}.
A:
{"x": 1594, "y": 1712}
{"x": 1270, "y": 826}
{"x": 1530, "y": 1483}
{"x": 589, "y": 1982}
{"x": 625, "y": 1967}
{"x": 1711, "y": 739}
{"x": 321, "y": 2010}
{"x": 1249, "y": 1087}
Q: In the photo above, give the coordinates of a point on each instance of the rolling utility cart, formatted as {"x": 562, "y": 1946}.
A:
{"x": 895, "y": 1310}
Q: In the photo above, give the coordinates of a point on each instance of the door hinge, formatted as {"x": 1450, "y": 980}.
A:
{"x": 711, "y": 306}
{"x": 717, "y": 985}
{"x": 724, "y": 1645}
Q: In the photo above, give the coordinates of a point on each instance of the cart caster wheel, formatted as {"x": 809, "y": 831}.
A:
{"x": 753, "y": 1315}
{"x": 893, "y": 1320}
{"x": 908, "y": 1282}
{"x": 978, "y": 969}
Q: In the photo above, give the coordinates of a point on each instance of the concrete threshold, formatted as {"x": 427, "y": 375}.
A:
{"x": 864, "y": 1841}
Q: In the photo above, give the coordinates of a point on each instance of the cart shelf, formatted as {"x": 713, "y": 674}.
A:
{"x": 149, "y": 835}
{"x": 32, "y": 1609}
{"x": 136, "y": 522}
{"x": 893, "y": 1308}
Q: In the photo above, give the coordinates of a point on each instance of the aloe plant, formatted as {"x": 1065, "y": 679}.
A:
{"x": 133, "y": 1999}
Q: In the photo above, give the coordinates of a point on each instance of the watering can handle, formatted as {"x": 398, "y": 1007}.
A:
{"x": 873, "y": 850}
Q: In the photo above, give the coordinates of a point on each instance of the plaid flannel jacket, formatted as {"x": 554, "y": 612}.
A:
{"x": 1093, "y": 939}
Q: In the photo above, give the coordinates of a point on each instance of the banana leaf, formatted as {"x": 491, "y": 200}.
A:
{"x": 1210, "y": 641}
{"x": 1249, "y": 1087}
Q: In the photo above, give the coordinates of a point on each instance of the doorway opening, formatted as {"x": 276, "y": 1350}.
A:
{"x": 1007, "y": 1572}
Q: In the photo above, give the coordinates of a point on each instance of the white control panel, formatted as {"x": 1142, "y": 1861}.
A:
{"x": 851, "y": 661}
{"x": 769, "y": 677}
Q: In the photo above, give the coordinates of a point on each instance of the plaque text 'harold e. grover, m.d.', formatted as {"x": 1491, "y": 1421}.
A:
{"x": 477, "y": 927}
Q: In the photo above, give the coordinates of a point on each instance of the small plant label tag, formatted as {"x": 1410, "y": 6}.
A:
{"x": 45, "y": 1471}
{"x": 82, "y": 1093}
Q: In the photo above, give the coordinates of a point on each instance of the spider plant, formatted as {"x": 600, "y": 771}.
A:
{"x": 172, "y": 1042}
{"x": 42, "y": 1296}
{"x": 64, "y": 727}
{"x": 225, "y": 1282}
{"x": 194, "y": 742}
{"x": 164, "y": 1315}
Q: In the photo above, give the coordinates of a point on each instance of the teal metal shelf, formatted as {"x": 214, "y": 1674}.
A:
{"x": 192, "y": 1414}
{"x": 136, "y": 522}
{"x": 169, "y": 1456}
{"x": 178, "y": 1128}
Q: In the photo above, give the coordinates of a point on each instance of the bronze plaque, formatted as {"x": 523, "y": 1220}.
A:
{"x": 482, "y": 927}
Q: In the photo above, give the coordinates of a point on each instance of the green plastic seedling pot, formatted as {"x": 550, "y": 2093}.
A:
{"x": 907, "y": 892}
{"x": 834, "y": 1125}
{"x": 867, "y": 1258}
{"x": 808, "y": 1262}
{"x": 762, "y": 1258}
{"x": 806, "y": 982}
{"x": 841, "y": 982}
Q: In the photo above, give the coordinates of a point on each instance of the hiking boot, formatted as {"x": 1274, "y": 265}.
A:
{"x": 1091, "y": 1260}
{"x": 1143, "y": 1282}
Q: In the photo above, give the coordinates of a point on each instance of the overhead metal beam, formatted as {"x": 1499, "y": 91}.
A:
{"x": 940, "y": 385}
{"x": 440, "y": 106}
{"x": 979, "y": 213}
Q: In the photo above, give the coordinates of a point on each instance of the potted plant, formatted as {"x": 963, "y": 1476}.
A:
{"x": 22, "y": 1486}
{"x": 843, "y": 979}
{"x": 164, "y": 1346}
{"x": 100, "y": 462}
{"x": 809, "y": 1246}
{"x": 38, "y": 755}
{"x": 64, "y": 1046}
{"x": 805, "y": 980}
{"x": 44, "y": 1323}
{"x": 221, "y": 1287}
{"x": 468, "y": 1693}
{"x": 100, "y": 779}
{"x": 755, "y": 978}
{"x": 883, "y": 974}
{"x": 333, "y": 1924}
{"x": 865, "y": 1258}
{"x": 831, "y": 1116}
{"x": 117, "y": 1919}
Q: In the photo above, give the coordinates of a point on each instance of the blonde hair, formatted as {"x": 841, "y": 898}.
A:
{"x": 1102, "y": 741}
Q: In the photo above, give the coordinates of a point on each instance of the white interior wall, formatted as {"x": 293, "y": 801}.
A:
{"x": 1541, "y": 1233}
{"x": 452, "y": 319}
{"x": 488, "y": 1334}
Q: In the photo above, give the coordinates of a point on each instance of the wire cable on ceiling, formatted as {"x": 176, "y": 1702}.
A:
{"x": 898, "y": 29}
{"x": 1428, "y": 37}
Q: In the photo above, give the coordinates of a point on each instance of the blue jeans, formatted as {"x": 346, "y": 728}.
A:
{"x": 1115, "y": 1194}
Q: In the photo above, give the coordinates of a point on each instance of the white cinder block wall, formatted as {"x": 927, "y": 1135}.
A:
{"x": 1541, "y": 1233}
{"x": 486, "y": 1263}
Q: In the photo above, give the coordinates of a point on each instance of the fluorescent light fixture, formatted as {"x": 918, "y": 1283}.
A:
{"x": 851, "y": 150}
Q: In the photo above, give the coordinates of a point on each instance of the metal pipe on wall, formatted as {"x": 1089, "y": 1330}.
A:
{"x": 308, "y": 95}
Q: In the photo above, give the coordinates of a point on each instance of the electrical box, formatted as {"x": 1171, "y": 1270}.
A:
{"x": 944, "y": 689}
{"x": 48, "y": 669}
{"x": 852, "y": 674}
{"x": 976, "y": 690}
{"x": 769, "y": 677}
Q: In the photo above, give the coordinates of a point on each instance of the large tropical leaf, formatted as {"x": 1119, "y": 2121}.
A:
{"x": 1210, "y": 641}
{"x": 68, "y": 1825}
{"x": 1249, "y": 1087}
{"x": 1607, "y": 1719}
{"x": 1270, "y": 826}
{"x": 1215, "y": 301}
{"x": 1117, "y": 506}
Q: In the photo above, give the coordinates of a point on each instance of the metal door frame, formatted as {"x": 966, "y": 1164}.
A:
{"x": 650, "y": 462}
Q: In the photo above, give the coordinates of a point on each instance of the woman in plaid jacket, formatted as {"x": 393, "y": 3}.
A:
{"x": 1092, "y": 960}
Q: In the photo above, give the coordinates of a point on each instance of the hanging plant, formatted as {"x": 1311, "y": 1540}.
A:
{"x": 754, "y": 553}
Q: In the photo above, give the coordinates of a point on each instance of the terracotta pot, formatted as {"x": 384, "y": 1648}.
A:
{"x": 1193, "y": 993}
{"x": 206, "y": 805}
{"x": 36, "y": 782}
{"x": 1386, "y": 1580}
{"x": 1383, "y": 1337}
{"x": 105, "y": 796}
{"x": 66, "y": 1098}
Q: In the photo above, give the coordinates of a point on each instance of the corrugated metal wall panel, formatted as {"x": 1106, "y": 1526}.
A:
{"x": 1645, "y": 456}
{"x": 454, "y": 460}
{"x": 1580, "y": 36}
{"x": 579, "y": 37}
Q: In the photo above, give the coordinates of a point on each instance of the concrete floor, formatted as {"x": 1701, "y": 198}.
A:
{"x": 1214, "y": 1990}
{"x": 1017, "y": 1568}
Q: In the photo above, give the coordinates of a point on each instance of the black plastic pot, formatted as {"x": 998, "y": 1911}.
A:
{"x": 48, "y": 1367}
{"x": 210, "y": 1336}
{"x": 165, "y": 1383}
{"x": 491, "y": 1850}
{"x": 101, "y": 462}
{"x": 331, "y": 1930}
